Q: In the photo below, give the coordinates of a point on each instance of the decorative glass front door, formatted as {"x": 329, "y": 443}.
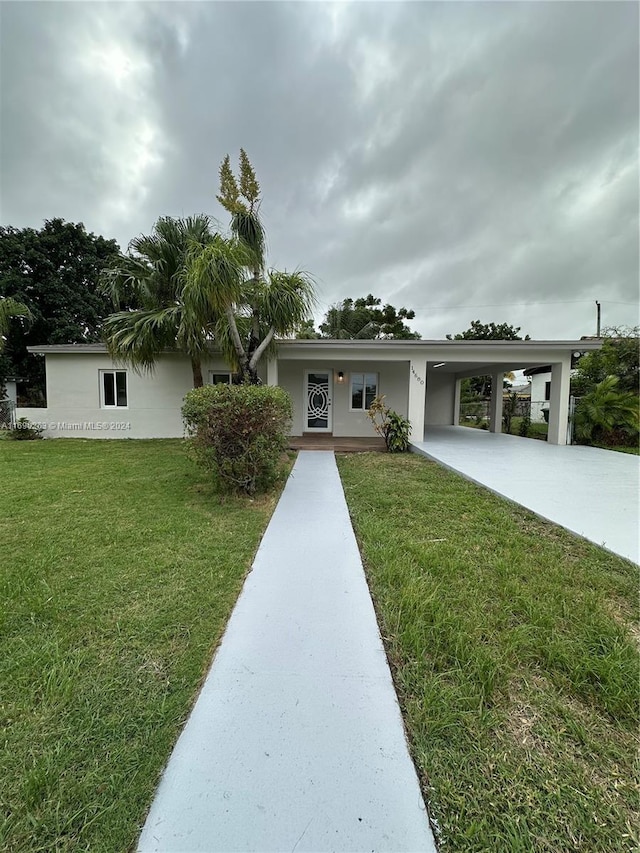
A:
{"x": 318, "y": 397}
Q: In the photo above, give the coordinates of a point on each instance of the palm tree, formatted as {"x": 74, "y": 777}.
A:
{"x": 605, "y": 410}
{"x": 10, "y": 308}
{"x": 250, "y": 312}
{"x": 190, "y": 287}
{"x": 253, "y": 309}
{"x": 166, "y": 312}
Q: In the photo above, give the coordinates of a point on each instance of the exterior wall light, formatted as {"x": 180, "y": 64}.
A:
{"x": 341, "y": 376}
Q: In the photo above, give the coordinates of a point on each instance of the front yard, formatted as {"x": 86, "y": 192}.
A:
{"x": 118, "y": 570}
{"x": 514, "y": 647}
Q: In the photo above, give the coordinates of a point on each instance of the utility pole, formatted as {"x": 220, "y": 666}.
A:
{"x": 598, "y": 327}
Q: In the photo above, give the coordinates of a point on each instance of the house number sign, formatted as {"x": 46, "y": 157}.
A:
{"x": 419, "y": 378}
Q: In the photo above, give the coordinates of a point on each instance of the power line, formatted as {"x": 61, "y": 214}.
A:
{"x": 526, "y": 304}
{"x": 518, "y": 304}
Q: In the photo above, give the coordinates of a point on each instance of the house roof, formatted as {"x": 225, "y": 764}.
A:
{"x": 462, "y": 357}
{"x": 335, "y": 343}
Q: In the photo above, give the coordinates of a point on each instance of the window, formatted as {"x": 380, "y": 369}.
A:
{"x": 219, "y": 378}
{"x": 113, "y": 387}
{"x": 547, "y": 391}
{"x": 364, "y": 387}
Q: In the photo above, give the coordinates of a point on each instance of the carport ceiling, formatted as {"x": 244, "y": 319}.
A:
{"x": 472, "y": 368}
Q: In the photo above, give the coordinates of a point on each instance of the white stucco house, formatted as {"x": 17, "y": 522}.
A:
{"x": 331, "y": 383}
{"x": 540, "y": 378}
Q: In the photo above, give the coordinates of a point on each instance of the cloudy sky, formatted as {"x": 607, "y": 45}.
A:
{"x": 466, "y": 160}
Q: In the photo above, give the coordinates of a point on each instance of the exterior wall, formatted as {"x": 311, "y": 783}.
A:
{"x": 538, "y": 381}
{"x": 440, "y": 399}
{"x": 154, "y": 399}
{"x": 12, "y": 391}
{"x": 393, "y": 382}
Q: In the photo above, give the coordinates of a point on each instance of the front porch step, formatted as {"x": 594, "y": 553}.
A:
{"x": 336, "y": 444}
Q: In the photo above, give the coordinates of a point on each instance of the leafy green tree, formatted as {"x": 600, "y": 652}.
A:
{"x": 618, "y": 356}
{"x": 366, "y": 318}
{"x": 54, "y": 272}
{"x": 168, "y": 313}
{"x": 606, "y": 414}
{"x": 478, "y": 331}
{"x": 480, "y": 386}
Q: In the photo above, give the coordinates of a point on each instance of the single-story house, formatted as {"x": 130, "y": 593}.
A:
{"x": 331, "y": 383}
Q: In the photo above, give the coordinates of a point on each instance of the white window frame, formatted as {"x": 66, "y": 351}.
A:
{"x": 103, "y": 403}
{"x": 363, "y": 374}
{"x": 226, "y": 373}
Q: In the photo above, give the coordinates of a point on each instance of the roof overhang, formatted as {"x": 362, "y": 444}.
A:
{"x": 462, "y": 357}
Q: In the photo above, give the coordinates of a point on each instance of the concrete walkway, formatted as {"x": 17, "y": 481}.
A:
{"x": 594, "y": 493}
{"x": 296, "y": 741}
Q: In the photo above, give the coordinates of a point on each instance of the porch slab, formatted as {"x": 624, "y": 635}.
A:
{"x": 337, "y": 444}
{"x": 296, "y": 741}
{"x": 594, "y": 493}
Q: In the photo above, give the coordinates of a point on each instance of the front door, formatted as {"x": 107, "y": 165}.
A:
{"x": 318, "y": 401}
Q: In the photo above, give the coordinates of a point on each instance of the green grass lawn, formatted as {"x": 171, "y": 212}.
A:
{"x": 536, "y": 430}
{"x": 118, "y": 570}
{"x": 514, "y": 647}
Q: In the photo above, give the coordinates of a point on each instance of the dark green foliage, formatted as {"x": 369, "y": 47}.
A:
{"x": 239, "y": 433}
{"x": 607, "y": 415}
{"x": 478, "y": 331}
{"x": 619, "y": 356}
{"x": 54, "y": 272}
{"x": 394, "y": 428}
{"x": 24, "y": 430}
{"x": 151, "y": 278}
{"x": 367, "y": 319}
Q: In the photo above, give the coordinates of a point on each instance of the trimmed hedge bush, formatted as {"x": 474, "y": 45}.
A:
{"x": 239, "y": 433}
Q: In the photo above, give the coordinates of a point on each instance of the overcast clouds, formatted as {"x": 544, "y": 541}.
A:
{"x": 434, "y": 154}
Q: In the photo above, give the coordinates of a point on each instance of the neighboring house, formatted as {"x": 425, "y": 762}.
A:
{"x": 8, "y": 401}
{"x": 11, "y": 384}
{"x": 540, "y": 391}
{"x": 331, "y": 383}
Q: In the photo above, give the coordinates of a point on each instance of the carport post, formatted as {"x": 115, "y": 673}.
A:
{"x": 495, "y": 406}
{"x": 559, "y": 402}
{"x": 456, "y": 402}
{"x": 272, "y": 371}
{"x": 417, "y": 389}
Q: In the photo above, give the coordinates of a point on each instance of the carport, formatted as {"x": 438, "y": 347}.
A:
{"x": 594, "y": 493}
{"x": 454, "y": 361}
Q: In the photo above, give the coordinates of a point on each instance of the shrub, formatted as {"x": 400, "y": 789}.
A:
{"x": 390, "y": 425}
{"x": 24, "y": 430}
{"x": 509, "y": 406}
{"x": 607, "y": 415}
{"x": 525, "y": 423}
{"x": 239, "y": 433}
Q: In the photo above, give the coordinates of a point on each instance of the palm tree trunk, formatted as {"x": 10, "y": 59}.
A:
{"x": 196, "y": 368}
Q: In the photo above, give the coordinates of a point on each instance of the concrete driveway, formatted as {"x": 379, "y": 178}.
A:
{"x": 594, "y": 493}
